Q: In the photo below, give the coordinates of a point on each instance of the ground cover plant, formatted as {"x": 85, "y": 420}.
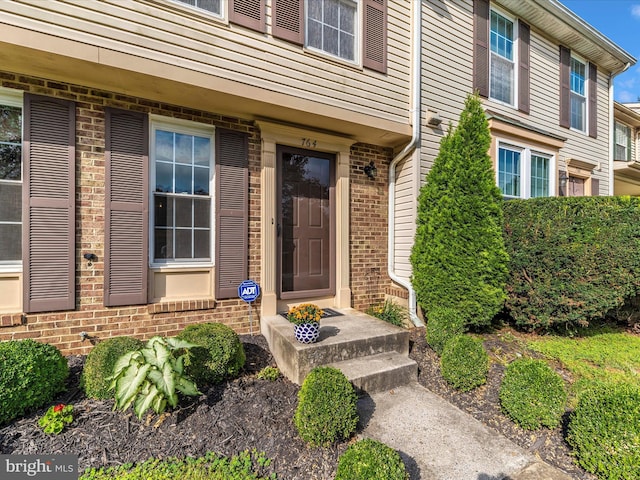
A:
{"x": 244, "y": 466}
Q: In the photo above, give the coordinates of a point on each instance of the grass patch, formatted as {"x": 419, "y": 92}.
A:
{"x": 605, "y": 356}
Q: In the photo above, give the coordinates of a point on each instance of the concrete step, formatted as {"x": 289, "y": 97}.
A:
{"x": 380, "y": 372}
{"x": 350, "y": 336}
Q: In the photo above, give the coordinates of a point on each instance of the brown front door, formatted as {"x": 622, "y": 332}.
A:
{"x": 306, "y": 223}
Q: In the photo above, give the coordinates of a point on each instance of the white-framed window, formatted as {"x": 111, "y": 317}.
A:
{"x": 332, "y": 27}
{"x": 214, "y": 7}
{"x": 502, "y": 63}
{"x": 11, "y": 126}
{"x": 182, "y": 169}
{"x": 578, "y": 79}
{"x": 622, "y": 142}
{"x": 523, "y": 172}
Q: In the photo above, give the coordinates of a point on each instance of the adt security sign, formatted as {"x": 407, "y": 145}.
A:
{"x": 249, "y": 291}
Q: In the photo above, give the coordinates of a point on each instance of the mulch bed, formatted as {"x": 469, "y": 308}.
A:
{"x": 247, "y": 413}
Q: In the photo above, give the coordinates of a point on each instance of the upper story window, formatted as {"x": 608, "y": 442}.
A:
{"x": 213, "y": 6}
{"x": 578, "y": 94}
{"x": 502, "y": 59}
{"x": 622, "y": 142}
{"x": 182, "y": 175}
{"x": 354, "y": 31}
{"x": 523, "y": 173}
{"x": 10, "y": 179}
{"x": 331, "y": 27}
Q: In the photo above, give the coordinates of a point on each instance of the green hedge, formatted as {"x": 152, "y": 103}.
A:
{"x": 218, "y": 356}
{"x": 573, "y": 260}
{"x": 100, "y": 362}
{"x": 458, "y": 256}
{"x": 370, "y": 460}
{"x": 604, "y": 431}
{"x": 327, "y": 407}
{"x": 532, "y": 394}
{"x": 31, "y": 374}
{"x": 464, "y": 363}
{"x": 443, "y": 323}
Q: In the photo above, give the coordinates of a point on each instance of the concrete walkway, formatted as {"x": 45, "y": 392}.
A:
{"x": 438, "y": 441}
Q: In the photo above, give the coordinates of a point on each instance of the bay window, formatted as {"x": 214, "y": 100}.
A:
{"x": 523, "y": 172}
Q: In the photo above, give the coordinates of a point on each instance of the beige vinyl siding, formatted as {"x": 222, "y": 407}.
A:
{"x": 447, "y": 33}
{"x": 404, "y": 226}
{"x": 447, "y": 79}
{"x": 167, "y": 32}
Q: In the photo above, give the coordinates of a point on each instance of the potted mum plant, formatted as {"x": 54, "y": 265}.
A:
{"x": 306, "y": 320}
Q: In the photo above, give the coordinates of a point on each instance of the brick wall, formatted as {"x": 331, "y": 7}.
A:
{"x": 369, "y": 226}
{"x": 64, "y": 328}
{"x": 368, "y": 237}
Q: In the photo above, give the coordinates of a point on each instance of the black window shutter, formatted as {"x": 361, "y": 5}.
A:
{"x": 565, "y": 87}
{"x": 127, "y": 207}
{"x": 481, "y": 47}
{"x": 232, "y": 216}
{"x": 524, "y": 35}
{"x": 288, "y": 20}
{"x": 375, "y": 35}
{"x": 595, "y": 187}
{"x": 48, "y": 236}
{"x": 593, "y": 100}
{"x": 248, "y": 13}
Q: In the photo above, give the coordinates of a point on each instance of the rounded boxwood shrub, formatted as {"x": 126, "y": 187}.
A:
{"x": 444, "y": 323}
{"x": 464, "y": 362}
{"x": 31, "y": 375}
{"x": 100, "y": 362}
{"x": 326, "y": 409}
{"x": 370, "y": 460}
{"x": 219, "y": 354}
{"x": 532, "y": 394}
{"x": 604, "y": 431}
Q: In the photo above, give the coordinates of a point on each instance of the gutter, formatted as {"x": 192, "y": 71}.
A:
{"x": 409, "y": 149}
{"x": 612, "y": 127}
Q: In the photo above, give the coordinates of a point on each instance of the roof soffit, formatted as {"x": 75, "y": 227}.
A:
{"x": 557, "y": 22}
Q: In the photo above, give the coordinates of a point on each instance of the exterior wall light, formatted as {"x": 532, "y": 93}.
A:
{"x": 370, "y": 170}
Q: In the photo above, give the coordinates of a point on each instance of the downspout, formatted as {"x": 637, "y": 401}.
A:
{"x": 612, "y": 127}
{"x": 409, "y": 149}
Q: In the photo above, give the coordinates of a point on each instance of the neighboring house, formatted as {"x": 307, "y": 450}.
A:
{"x": 545, "y": 78}
{"x": 626, "y": 152}
{"x": 154, "y": 154}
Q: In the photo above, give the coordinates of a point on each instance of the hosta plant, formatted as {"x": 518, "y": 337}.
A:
{"x": 152, "y": 376}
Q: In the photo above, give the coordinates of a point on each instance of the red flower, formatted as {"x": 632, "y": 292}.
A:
{"x": 58, "y": 407}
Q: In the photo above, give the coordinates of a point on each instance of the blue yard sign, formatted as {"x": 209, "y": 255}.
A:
{"x": 249, "y": 291}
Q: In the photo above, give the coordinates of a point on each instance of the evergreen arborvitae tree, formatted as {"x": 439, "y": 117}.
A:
{"x": 459, "y": 258}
